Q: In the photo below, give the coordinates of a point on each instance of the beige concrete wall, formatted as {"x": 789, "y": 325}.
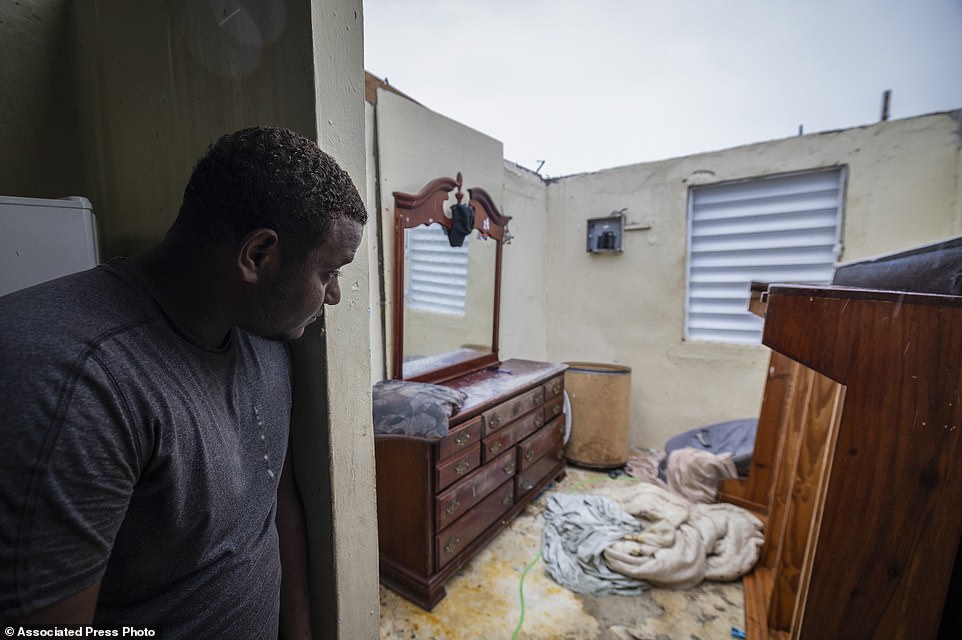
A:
{"x": 902, "y": 190}
{"x": 524, "y": 318}
{"x": 348, "y": 604}
{"x": 414, "y": 146}
{"x": 560, "y": 303}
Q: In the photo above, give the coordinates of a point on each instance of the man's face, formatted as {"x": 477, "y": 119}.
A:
{"x": 296, "y": 298}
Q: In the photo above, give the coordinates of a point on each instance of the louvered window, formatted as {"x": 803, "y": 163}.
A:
{"x": 779, "y": 229}
{"x": 437, "y": 275}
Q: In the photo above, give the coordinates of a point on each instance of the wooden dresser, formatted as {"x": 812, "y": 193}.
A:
{"x": 440, "y": 500}
{"x": 858, "y": 465}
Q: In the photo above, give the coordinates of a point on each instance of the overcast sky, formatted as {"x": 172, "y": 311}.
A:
{"x": 584, "y": 85}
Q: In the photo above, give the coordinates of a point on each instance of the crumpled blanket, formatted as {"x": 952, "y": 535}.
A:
{"x": 694, "y": 474}
{"x": 691, "y": 473}
{"x": 665, "y": 540}
{"x": 683, "y": 543}
{"x": 414, "y": 408}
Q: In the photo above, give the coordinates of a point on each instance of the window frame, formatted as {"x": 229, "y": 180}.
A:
{"x": 837, "y": 248}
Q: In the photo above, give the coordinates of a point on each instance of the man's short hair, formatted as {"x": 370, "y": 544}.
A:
{"x": 266, "y": 177}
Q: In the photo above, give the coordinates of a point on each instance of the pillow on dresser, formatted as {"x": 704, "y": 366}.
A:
{"x": 414, "y": 408}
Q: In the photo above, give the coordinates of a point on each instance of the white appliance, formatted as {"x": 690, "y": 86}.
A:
{"x": 42, "y": 239}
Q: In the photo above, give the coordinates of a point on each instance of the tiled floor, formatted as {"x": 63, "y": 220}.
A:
{"x": 484, "y": 600}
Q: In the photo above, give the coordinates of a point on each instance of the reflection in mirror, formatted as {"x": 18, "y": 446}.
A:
{"x": 448, "y": 297}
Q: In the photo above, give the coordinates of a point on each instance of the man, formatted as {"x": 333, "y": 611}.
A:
{"x": 145, "y": 408}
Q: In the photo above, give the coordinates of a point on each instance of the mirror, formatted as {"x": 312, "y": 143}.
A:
{"x": 446, "y": 298}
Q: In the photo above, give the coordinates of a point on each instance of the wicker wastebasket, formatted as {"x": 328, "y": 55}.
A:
{"x": 600, "y": 414}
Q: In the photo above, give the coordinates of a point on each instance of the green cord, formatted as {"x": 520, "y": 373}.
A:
{"x": 517, "y": 630}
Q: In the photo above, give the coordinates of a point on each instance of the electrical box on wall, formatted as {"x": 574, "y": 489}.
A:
{"x": 605, "y": 234}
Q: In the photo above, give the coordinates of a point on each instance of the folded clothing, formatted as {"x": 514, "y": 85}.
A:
{"x": 414, "y": 408}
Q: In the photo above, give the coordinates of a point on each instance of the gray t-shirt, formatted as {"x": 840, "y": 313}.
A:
{"x": 133, "y": 455}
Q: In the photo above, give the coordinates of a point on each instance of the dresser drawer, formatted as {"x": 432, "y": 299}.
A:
{"x": 553, "y": 388}
{"x": 506, "y": 437}
{"x": 502, "y": 415}
{"x": 554, "y": 398}
{"x": 528, "y": 479}
{"x": 548, "y": 439}
{"x": 460, "y": 439}
{"x": 457, "y": 466}
{"x": 460, "y": 534}
{"x": 459, "y": 498}
{"x": 553, "y": 408}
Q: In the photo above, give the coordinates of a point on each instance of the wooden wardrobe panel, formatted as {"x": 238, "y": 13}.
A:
{"x": 754, "y": 492}
{"x": 863, "y": 518}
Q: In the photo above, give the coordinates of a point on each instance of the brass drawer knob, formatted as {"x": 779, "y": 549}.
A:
{"x": 556, "y": 409}
{"x": 527, "y": 486}
{"x": 538, "y": 399}
{"x": 529, "y": 454}
{"x": 506, "y": 500}
{"x": 462, "y": 467}
{"x": 509, "y": 468}
{"x": 452, "y": 545}
{"x": 453, "y": 507}
{"x": 494, "y": 421}
{"x": 556, "y": 388}
{"x": 495, "y": 447}
{"x": 462, "y": 439}
{"x": 538, "y": 420}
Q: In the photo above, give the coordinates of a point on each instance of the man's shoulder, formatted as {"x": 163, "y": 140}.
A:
{"x": 86, "y": 291}
{"x": 73, "y": 311}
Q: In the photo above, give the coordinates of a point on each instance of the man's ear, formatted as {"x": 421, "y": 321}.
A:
{"x": 258, "y": 252}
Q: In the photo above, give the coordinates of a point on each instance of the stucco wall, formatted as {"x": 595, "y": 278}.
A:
{"x": 414, "y": 146}
{"x": 902, "y": 190}
{"x": 348, "y": 605}
{"x": 523, "y": 316}
{"x": 560, "y": 303}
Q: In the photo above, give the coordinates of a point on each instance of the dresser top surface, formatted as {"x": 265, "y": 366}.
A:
{"x": 494, "y": 384}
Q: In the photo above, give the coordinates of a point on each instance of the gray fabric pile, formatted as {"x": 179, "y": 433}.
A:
{"x": 577, "y": 530}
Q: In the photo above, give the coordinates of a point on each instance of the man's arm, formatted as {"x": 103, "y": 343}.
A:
{"x": 77, "y": 609}
{"x": 295, "y": 617}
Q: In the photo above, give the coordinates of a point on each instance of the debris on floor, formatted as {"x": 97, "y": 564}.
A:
{"x": 485, "y": 600}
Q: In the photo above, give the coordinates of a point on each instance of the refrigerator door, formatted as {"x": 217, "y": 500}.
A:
{"x": 43, "y": 239}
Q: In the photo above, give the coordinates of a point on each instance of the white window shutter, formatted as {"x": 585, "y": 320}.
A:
{"x": 437, "y": 275}
{"x": 778, "y": 229}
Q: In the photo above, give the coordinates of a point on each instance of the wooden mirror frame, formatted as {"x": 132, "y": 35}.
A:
{"x": 427, "y": 207}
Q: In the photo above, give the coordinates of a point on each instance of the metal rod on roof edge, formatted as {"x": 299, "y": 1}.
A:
{"x": 886, "y": 96}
